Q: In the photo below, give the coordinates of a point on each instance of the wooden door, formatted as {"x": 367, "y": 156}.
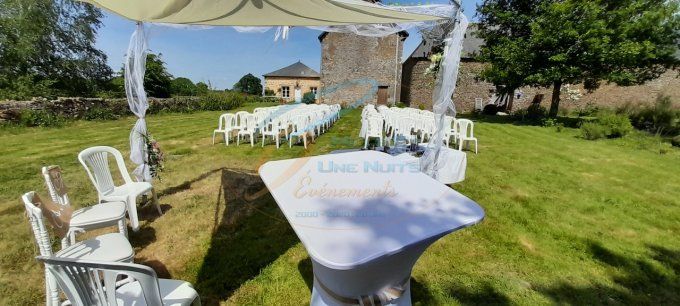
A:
{"x": 382, "y": 95}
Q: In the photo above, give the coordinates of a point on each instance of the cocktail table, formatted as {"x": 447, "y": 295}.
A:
{"x": 365, "y": 218}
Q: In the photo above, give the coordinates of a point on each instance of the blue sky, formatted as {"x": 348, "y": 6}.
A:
{"x": 221, "y": 55}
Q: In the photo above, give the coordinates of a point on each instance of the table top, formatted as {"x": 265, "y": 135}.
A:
{"x": 351, "y": 208}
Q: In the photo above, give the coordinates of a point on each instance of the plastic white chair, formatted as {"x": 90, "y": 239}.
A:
{"x": 108, "y": 247}
{"x": 91, "y": 217}
{"x": 299, "y": 130}
{"x": 89, "y": 282}
{"x": 96, "y": 163}
{"x": 241, "y": 119}
{"x": 248, "y": 129}
{"x": 450, "y": 130}
{"x": 374, "y": 129}
{"x": 479, "y": 104}
{"x": 466, "y": 133}
{"x": 227, "y": 124}
{"x": 272, "y": 129}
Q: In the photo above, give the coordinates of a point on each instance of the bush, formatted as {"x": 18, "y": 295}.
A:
{"x": 42, "y": 118}
{"x": 662, "y": 118}
{"x": 608, "y": 125}
{"x": 225, "y": 100}
{"x": 490, "y": 109}
{"x": 615, "y": 125}
{"x": 535, "y": 112}
{"x": 675, "y": 141}
{"x": 592, "y": 131}
{"x": 309, "y": 98}
{"x": 400, "y": 104}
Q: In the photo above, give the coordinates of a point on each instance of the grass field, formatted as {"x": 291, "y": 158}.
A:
{"x": 568, "y": 221}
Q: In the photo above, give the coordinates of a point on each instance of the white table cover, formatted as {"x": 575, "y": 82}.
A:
{"x": 364, "y": 217}
{"x": 454, "y": 167}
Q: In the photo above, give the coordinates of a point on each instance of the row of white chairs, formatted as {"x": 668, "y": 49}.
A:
{"x": 90, "y": 272}
{"x": 413, "y": 126}
{"x": 292, "y": 120}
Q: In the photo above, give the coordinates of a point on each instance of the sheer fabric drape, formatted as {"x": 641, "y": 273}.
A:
{"x": 135, "y": 67}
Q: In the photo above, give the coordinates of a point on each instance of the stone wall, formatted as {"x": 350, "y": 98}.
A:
{"x": 76, "y": 108}
{"x": 417, "y": 89}
{"x": 305, "y": 84}
{"x": 354, "y": 67}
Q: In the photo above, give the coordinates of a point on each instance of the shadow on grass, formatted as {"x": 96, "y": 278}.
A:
{"x": 654, "y": 280}
{"x": 250, "y": 234}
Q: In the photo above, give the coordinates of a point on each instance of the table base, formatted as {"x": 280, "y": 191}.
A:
{"x": 321, "y": 298}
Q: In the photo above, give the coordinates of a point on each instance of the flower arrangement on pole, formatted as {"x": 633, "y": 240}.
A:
{"x": 435, "y": 64}
{"x": 155, "y": 156}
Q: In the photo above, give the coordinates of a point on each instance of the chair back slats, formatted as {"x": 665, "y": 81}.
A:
{"x": 99, "y": 162}
{"x": 55, "y": 185}
{"x": 35, "y": 217}
{"x": 95, "y": 160}
{"x": 93, "y": 282}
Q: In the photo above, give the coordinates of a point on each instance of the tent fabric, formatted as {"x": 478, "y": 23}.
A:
{"x": 260, "y": 12}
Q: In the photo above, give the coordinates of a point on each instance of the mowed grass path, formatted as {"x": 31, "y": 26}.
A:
{"x": 568, "y": 220}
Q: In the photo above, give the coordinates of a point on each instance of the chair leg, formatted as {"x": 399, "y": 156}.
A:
{"x": 155, "y": 201}
{"x": 122, "y": 227}
{"x": 226, "y": 138}
{"x": 252, "y": 140}
{"x": 213, "y": 137}
{"x": 475, "y": 146}
{"x": 290, "y": 142}
{"x": 238, "y": 139}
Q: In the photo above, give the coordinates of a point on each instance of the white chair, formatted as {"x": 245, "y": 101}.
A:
{"x": 466, "y": 133}
{"x": 89, "y": 282}
{"x": 450, "y": 130}
{"x": 96, "y": 163}
{"x": 91, "y": 217}
{"x": 108, "y": 247}
{"x": 272, "y": 129}
{"x": 299, "y": 130}
{"x": 226, "y": 125}
{"x": 241, "y": 119}
{"x": 249, "y": 129}
{"x": 479, "y": 104}
{"x": 374, "y": 129}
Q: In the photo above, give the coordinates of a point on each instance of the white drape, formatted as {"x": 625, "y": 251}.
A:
{"x": 434, "y": 157}
{"x": 135, "y": 67}
{"x": 451, "y": 31}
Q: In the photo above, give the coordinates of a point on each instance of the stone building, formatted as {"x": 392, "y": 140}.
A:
{"x": 292, "y": 82}
{"x": 417, "y": 87}
{"x": 356, "y": 70}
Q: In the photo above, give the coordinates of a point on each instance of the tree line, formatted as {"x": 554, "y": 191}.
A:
{"x": 556, "y": 42}
{"x": 47, "y": 49}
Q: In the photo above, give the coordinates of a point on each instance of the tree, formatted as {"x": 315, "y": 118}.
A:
{"x": 183, "y": 87}
{"x": 249, "y": 84}
{"x": 47, "y": 48}
{"x": 202, "y": 88}
{"x": 625, "y": 42}
{"x": 505, "y": 26}
{"x": 157, "y": 80}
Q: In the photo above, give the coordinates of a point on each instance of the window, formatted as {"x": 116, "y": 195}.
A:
{"x": 285, "y": 91}
{"x": 313, "y": 89}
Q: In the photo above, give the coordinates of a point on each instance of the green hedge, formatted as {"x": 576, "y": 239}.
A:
{"x": 114, "y": 109}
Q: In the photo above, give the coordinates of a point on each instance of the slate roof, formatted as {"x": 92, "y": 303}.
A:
{"x": 298, "y": 70}
{"x": 471, "y": 45}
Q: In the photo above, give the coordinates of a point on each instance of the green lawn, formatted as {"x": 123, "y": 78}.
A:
{"x": 567, "y": 220}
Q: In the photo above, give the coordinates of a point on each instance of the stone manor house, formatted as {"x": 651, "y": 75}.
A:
{"x": 356, "y": 70}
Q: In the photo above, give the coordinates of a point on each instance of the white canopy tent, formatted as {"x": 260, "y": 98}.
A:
{"x": 442, "y": 23}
